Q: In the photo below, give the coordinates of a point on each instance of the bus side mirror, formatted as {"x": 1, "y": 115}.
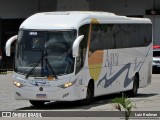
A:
{"x": 76, "y": 46}
{"x": 8, "y": 45}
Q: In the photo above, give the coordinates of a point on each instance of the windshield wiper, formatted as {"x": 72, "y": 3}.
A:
{"x": 41, "y": 60}
{"x": 51, "y": 68}
{"x": 34, "y": 67}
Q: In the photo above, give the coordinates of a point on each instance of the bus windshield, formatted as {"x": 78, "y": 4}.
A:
{"x": 45, "y": 51}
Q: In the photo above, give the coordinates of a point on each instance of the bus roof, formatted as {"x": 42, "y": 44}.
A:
{"x": 73, "y": 19}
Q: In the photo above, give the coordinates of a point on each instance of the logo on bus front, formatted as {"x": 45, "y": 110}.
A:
{"x": 40, "y": 83}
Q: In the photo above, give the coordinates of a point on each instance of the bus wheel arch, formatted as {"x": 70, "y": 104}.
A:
{"x": 133, "y": 92}
{"x": 89, "y": 93}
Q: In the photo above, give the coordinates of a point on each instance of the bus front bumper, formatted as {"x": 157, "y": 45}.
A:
{"x": 39, "y": 93}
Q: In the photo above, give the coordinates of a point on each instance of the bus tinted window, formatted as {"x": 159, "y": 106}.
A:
{"x": 142, "y": 35}
{"x": 122, "y": 35}
{"x": 112, "y": 36}
{"x": 107, "y": 37}
{"x": 95, "y": 43}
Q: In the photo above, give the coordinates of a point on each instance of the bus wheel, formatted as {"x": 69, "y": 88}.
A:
{"x": 90, "y": 94}
{"x": 37, "y": 103}
{"x": 134, "y": 90}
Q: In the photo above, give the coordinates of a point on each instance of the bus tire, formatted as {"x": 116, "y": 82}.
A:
{"x": 37, "y": 103}
{"x": 134, "y": 90}
{"x": 89, "y": 95}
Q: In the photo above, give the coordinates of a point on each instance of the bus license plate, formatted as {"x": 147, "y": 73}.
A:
{"x": 41, "y": 95}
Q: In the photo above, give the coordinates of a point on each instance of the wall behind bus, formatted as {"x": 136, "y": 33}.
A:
{"x": 0, "y": 34}
{"x": 17, "y": 8}
{"x": 156, "y": 23}
{"x": 25, "y": 8}
{"x": 63, "y": 5}
{"x": 124, "y": 7}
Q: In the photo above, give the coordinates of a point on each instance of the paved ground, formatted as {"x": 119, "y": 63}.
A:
{"x": 148, "y": 99}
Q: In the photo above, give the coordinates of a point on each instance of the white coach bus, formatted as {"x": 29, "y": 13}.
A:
{"x": 68, "y": 56}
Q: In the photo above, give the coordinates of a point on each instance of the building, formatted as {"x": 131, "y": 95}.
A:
{"x": 13, "y": 12}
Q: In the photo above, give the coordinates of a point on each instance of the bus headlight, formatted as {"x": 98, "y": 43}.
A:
{"x": 18, "y": 84}
{"x": 66, "y": 85}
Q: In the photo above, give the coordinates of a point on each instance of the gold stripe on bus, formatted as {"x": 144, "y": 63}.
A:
{"x": 95, "y": 59}
{"x": 89, "y": 35}
{"x": 95, "y": 21}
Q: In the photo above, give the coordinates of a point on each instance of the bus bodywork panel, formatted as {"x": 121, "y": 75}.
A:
{"x": 113, "y": 75}
{"x": 43, "y": 89}
{"x": 112, "y": 69}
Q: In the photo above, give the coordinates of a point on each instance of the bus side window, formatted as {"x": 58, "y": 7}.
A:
{"x": 107, "y": 38}
{"x": 95, "y": 43}
{"x": 83, "y": 30}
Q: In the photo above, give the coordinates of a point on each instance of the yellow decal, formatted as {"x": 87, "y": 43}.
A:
{"x": 95, "y": 64}
{"x": 95, "y": 59}
{"x": 89, "y": 35}
{"x": 94, "y": 21}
